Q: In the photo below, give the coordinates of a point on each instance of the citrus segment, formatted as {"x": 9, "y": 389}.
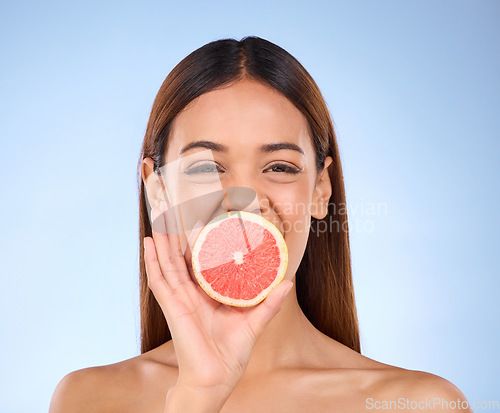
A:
{"x": 239, "y": 257}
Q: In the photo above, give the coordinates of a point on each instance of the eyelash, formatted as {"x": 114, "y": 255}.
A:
{"x": 285, "y": 169}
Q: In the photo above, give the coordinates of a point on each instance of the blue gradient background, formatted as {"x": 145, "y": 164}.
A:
{"x": 413, "y": 88}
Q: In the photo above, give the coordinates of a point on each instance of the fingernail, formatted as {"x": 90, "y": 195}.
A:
{"x": 288, "y": 290}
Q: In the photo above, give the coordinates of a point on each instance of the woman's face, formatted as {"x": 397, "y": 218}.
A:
{"x": 241, "y": 120}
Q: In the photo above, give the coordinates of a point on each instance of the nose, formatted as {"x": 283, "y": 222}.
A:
{"x": 241, "y": 198}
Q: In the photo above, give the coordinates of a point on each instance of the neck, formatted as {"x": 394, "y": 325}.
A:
{"x": 288, "y": 341}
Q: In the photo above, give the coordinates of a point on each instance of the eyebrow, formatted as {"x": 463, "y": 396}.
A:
{"x": 267, "y": 148}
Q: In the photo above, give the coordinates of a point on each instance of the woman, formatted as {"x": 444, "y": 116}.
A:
{"x": 265, "y": 126}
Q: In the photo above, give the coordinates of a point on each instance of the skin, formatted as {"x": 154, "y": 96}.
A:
{"x": 265, "y": 358}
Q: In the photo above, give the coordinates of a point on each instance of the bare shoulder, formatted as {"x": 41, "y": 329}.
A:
{"x": 400, "y": 389}
{"x": 430, "y": 384}
{"x": 354, "y": 382}
{"x": 444, "y": 394}
{"x": 120, "y": 387}
{"x": 78, "y": 391}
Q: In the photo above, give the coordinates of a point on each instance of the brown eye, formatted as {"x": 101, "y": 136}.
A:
{"x": 203, "y": 169}
{"x": 282, "y": 167}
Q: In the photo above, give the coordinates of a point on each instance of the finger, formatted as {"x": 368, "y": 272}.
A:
{"x": 193, "y": 235}
{"x": 172, "y": 308}
{"x": 267, "y": 309}
{"x": 174, "y": 236}
{"x": 170, "y": 257}
{"x": 156, "y": 281}
{"x": 198, "y": 227}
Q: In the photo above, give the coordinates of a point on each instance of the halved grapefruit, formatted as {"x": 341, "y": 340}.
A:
{"x": 239, "y": 257}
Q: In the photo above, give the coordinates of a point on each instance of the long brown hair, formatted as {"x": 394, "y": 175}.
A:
{"x": 323, "y": 280}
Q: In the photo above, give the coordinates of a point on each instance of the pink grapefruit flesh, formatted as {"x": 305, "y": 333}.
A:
{"x": 239, "y": 257}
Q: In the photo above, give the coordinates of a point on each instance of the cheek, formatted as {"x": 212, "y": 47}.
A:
{"x": 292, "y": 208}
{"x": 291, "y": 204}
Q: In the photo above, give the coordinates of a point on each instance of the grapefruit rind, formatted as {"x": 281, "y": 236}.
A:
{"x": 249, "y": 216}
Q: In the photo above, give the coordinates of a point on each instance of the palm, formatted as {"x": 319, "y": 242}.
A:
{"x": 212, "y": 341}
{"x": 216, "y": 338}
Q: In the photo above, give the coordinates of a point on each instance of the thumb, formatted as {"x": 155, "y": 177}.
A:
{"x": 264, "y": 312}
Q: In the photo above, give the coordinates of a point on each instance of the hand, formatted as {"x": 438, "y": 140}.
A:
{"x": 213, "y": 342}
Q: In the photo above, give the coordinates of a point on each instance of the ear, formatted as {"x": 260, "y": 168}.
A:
{"x": 155, "y": 193}
{"x": 322, "y": 192}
